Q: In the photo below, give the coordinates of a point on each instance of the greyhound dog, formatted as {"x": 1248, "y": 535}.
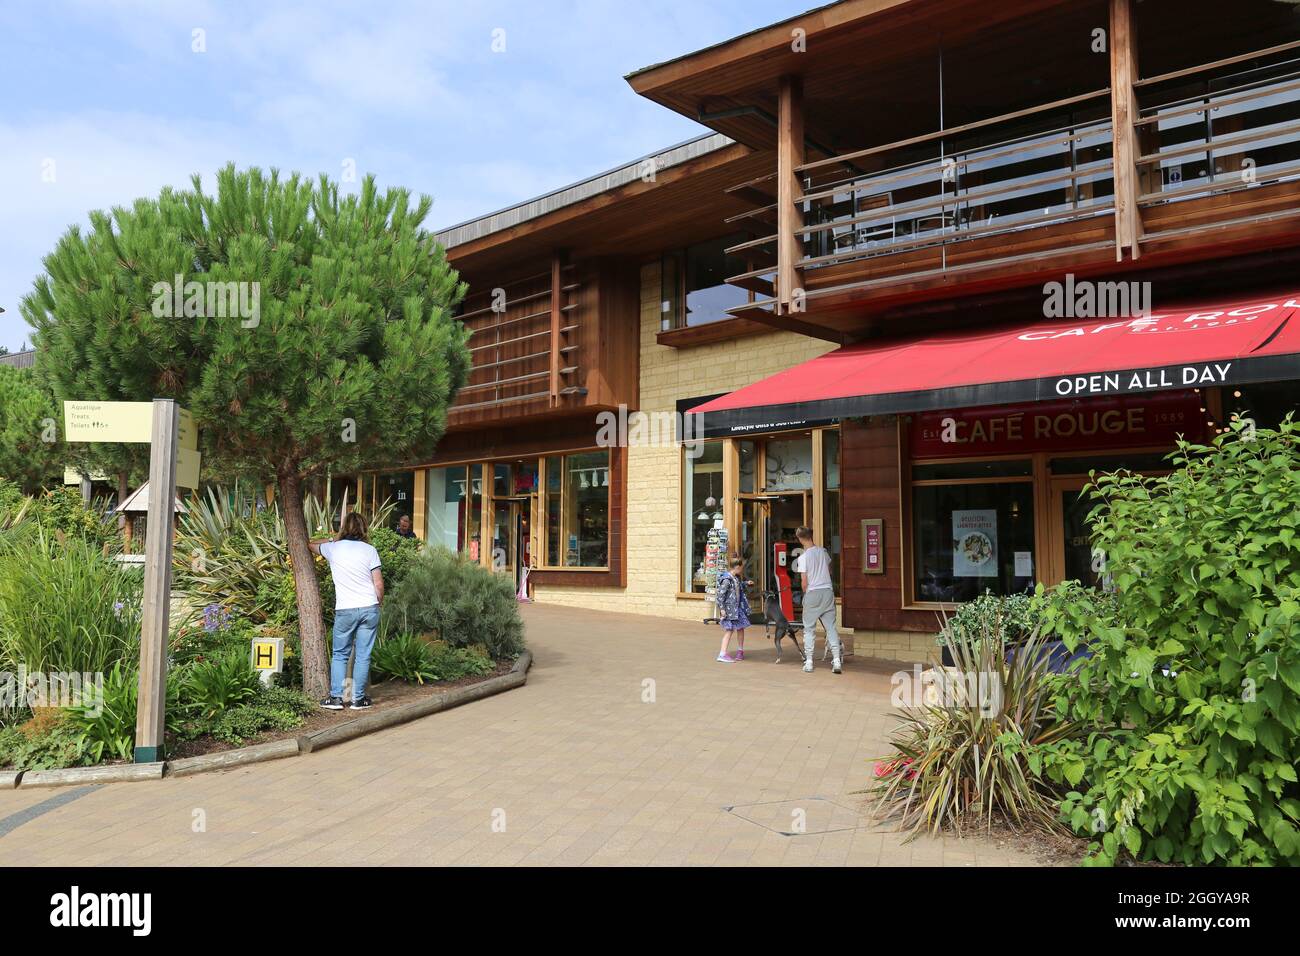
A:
{"x": 774, "y": 617}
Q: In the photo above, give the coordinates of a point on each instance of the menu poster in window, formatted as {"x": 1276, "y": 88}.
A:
{"x": 974, "y": 543}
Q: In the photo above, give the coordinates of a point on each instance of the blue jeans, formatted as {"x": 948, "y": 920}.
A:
{"x": 357, "y": 624}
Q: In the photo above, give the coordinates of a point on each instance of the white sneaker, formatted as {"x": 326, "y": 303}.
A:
{"x": 807, "y": 665}
{"x": 837, "y": 666}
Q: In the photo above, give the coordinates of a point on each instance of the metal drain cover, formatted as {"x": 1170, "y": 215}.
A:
{"x": 799, "y": 817}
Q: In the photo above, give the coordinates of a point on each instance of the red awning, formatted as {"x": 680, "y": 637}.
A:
{"x": 1228, "y": 342}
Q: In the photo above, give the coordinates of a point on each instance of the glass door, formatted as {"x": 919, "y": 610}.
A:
{"x": 1072, "y": 553}
{"x": 765, "y": 520}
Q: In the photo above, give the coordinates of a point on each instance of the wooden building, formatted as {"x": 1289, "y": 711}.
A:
{"x": 867, "y": 281}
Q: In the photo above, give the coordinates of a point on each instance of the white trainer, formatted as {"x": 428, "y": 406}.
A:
{"x": 807, "y": 665}
{"x": 837, "y": 667}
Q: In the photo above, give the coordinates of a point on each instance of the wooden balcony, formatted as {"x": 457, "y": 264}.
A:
{"x": 1193, "y": 164}
{"x": 547, "y": 343}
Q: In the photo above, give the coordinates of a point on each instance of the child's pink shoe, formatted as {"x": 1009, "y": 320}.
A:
{"x": 724, "y": 659}
{"x": 740, "y": 654}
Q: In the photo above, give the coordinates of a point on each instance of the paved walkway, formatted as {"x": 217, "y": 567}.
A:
{"x": 629, "y": 745}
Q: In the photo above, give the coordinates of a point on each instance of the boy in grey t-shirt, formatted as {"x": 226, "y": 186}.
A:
{"x": 818, "y": 601}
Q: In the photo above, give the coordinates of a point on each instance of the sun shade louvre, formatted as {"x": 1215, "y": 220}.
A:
{"x": 1226, "y": 342}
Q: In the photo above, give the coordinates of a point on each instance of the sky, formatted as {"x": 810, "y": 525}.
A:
{"x": 479, "y": 103}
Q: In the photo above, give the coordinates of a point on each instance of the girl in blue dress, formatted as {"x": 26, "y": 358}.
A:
{"x": 733, "y": 610}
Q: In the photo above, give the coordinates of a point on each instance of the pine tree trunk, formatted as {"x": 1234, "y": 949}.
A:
{"x": 311, "y": 627}
{"x": 123, "y": 522}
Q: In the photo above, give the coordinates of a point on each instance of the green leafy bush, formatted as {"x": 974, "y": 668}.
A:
{"x": 1006, "y": 619}
{"x": 106, "y": 729}
{"x": 1192, "y": 694}
{"x": 211, "y": 686}
{"x": 65, "y": 606}
{"x": 461, "y": 602}
{"x": 45, "y": 742}
{"x": 403, "y": 657}
{"x": 240, "y": 723}
{"x": 57, "y": 512}
{"x": 395, "y": 553}
{"x": 453, "y": 663}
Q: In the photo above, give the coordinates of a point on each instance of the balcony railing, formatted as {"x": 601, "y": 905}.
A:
{"x": 1012, "y": 193}
{"x": 925, "y": 198}
{"x": 1205, "y": 137}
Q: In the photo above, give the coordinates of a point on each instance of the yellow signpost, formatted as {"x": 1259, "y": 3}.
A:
{"x": 132, "y": 423}
{"x": 173, "y": 459}
{"x": 268, "y": 657}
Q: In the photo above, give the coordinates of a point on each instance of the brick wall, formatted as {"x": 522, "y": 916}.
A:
{"x": 654, "y": 473}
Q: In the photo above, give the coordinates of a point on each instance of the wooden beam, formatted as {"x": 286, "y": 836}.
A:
{"x": 155, "y": 622}
{"x": 418, "y": 506}
{"x": 557, "y": 323}
{"x": 789, "y": 212}
{"x": 1124, "y": 115}
{"x": 788, "y": 324}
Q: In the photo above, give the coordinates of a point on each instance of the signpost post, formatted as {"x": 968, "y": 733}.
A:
{"x": 150, "y": 713}
{"x": 173, "y": 460}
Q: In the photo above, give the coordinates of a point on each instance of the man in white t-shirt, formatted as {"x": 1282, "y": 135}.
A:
{"x": 818, "y": 601}
{"x": 358, "y": 592}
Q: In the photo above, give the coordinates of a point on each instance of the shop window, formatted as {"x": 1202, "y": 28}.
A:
{"x": 701, "y": 507}
{"x": 577, "y": 510}
{"x": 972, "y": 537}
{"x": 748, "y": 466}
{"x": 788, "y": 465}
{"x": 446, "y": 512}
{"x": 831, "y": 535}
{"x": 694, "y": 283}
{"x": 525, "y": 477}
{"x": 398, "y": 490}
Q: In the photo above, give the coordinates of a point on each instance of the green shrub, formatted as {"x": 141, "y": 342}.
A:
{"x": 1192, "y": 694}
{"x": 45, "y": 742}
{"x": 395, "y": 552}
{"x": 66, "y": 607}
{"x": 238, "y": 724}
{"x": 403, "y": 657}
{"x": 106, "y": 729}
{"x": 211, "y": 686}
{"x": 453, "y": 663}
{"x": 59, "y": 511}
{"x": 462, "y": 602}
{"x": 287, "y": 699}
{"x": 974, "y": 753}
{"x": 1007, "y": 619}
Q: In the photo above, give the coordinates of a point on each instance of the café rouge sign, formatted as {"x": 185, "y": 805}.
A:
{"x": 1117, "y": 422}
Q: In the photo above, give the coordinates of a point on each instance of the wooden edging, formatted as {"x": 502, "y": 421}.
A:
{"x": 275, "y": 749}
{"x": 320, "y": 739}
{"x": 70, "y": 776}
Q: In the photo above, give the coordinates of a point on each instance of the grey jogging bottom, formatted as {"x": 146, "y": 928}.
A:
{"x": 819, "y": 605}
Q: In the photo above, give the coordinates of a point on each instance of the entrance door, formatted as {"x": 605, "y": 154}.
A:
{"x": 510, "y": 535}
{"x": 1072, "y": 533}
{"x": 763, "y": 522}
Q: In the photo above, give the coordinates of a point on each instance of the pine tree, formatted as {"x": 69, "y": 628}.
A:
{"x": 311, "y": 332}
{"x": 30, "y": 455}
